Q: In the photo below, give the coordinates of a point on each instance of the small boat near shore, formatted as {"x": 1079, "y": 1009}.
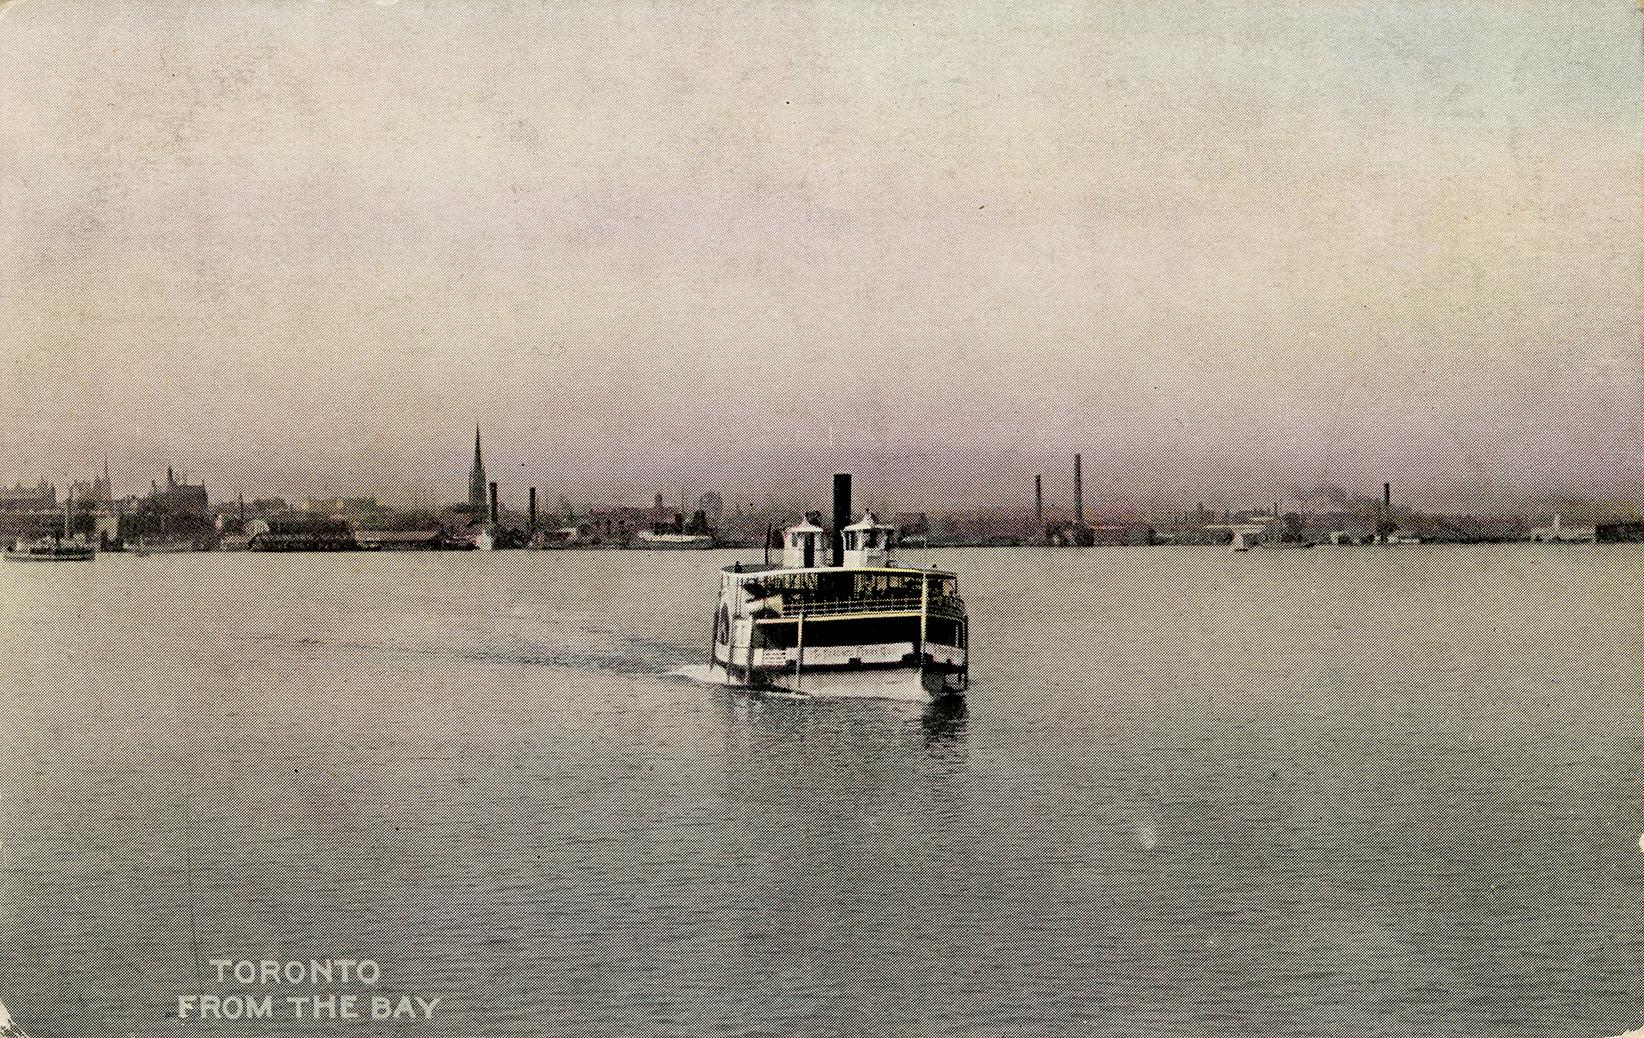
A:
{"x": 164, "y": 547}
{"x": 653, "y": 541}
{"x": 52, "y": 549}
{"x": 860, "y": 625}
{"x": 59, "y": 547}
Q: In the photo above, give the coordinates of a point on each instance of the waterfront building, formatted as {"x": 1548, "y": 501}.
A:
{"x": 97, "y": 490}
{"x": 1626, "y": 530}
{"x": 27, "y": 499}
{"x": 619, "y": 523}
{"x": 20, "y": 524}
{"x": 179, "y": 497}
{"x": 1558, "y": 532}
{"x": 105, "y": 522}
{"x": 1110, "y": 534}
{"x": 298, "y": 531}
{"x": 29, "y": 513}
{"x": 178, "y": 512}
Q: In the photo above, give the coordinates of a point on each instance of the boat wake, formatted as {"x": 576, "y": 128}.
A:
{"x": 703, "y": 672}
{"x": 526, "y": 655}
{"x": 708, "y": 674}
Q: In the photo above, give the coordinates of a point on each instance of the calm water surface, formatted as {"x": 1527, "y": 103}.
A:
{"x": 1373, "y": 791}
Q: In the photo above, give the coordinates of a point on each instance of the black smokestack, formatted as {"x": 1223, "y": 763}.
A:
{"x": 1078, "y": 491}
{"x": 493, "y": 502}
{"x": 841, "y": 514}
{"x": 532, "y": 508}
{"x": 1039, "y": 500}
{"x": 1387, "y": 499}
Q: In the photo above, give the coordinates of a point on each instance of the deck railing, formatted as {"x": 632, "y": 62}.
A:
{"x": 890, "y": 604}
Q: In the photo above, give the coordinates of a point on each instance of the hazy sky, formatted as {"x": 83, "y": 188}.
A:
{"x": 1220, "y": 247}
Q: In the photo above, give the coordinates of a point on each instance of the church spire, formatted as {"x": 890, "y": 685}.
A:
{"x": 476, "y": 477}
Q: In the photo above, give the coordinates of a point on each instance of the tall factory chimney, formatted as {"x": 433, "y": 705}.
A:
{"x": 1387, "y": 500}
{"x": 531, "y": 507}
{"x": 493, "y": 502}
{"x": 1078, "y": 491}
{"x": 1039, "y": 501}
{"x": 841, "y": 514}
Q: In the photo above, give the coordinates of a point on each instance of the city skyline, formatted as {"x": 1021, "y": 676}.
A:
{"x": 1221, "y": 250}
{"x": 1059, "y": 489}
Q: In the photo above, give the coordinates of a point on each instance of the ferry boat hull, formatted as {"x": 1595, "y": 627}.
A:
{"x": 909, "y": 684}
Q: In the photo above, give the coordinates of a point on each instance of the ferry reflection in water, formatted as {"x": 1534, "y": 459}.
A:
{"x": 942, "y": 723}
{"x": 945, "y": 720}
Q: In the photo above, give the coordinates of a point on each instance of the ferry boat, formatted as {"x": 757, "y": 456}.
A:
{"x": 858, "y": 624}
